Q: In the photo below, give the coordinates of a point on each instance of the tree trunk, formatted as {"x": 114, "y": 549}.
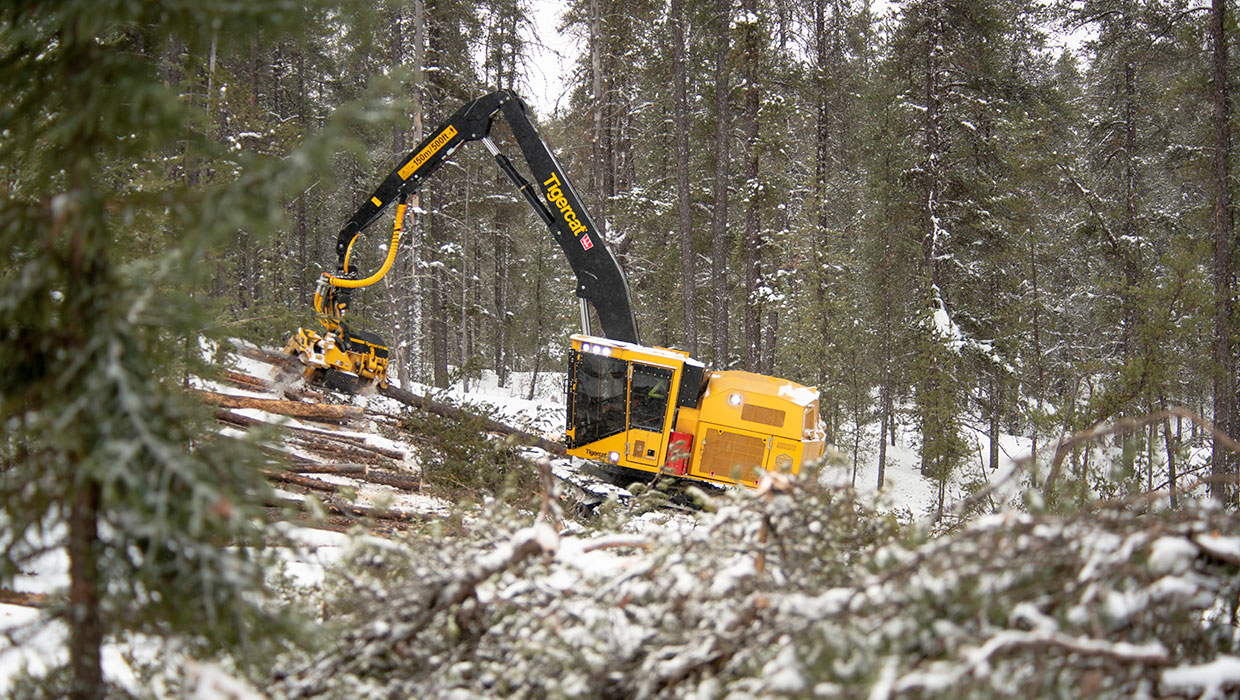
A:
{"x": 719, "y": 216}
{"x": 996, "y": 412}
{"x": 770, "y": 335}
{"x": 598, "y": 159}
{"x": 505, "y": 77}
{"x": 303, "y": 262}
{"x": 933, "y": 156}
{"x": 1222, "y": 463}
{"x": 1172, "y": 447}
{"x": 297, "y": 409}
{"x": 688, "y": 273}
{"x": 85, "y": 616}
{"x": 754, "y": 242}
{"x": 466, "y": 276}
{"x": 1149, "y": 455}
{"x": 882, "y": 438}
{"x": 822, "y": 136}
{"x": 499, "y": 295}
{"x": 1039, "y": 366}
{"x": 393, "y": 287}
{"x": 414, "y": 220}
{"x": 438, "y": 296}
{"x": 929, "y": 385}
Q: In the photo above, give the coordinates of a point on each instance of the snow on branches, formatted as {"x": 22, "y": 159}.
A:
{"x": 791, "y": 591}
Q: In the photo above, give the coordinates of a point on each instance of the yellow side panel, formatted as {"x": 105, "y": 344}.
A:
{"x": 785, "y": 456}
{"x": 687, "y": 420}
{"x": 599, "y": 449}
{"x": 813, "y": 450}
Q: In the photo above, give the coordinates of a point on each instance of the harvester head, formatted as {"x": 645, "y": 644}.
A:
{"x": 340, "y": 358}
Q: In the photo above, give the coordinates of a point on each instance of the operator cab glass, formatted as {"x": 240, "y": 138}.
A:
{"x": 598, "y": 397}
{"x": 648, "y": 402}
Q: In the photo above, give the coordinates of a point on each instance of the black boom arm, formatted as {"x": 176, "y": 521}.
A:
{"x": 600, "y": 280}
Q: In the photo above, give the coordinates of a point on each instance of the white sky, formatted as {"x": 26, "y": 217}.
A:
{"x": 551, "y": 58}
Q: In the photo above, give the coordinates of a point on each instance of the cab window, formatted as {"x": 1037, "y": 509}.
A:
{"x": 648, "y": 397}
{"x": 598, "y": 400}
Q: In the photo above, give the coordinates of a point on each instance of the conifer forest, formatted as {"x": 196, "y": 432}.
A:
{"x": 997, "y": 236}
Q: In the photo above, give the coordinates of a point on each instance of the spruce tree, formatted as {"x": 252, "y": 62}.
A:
{"x": 105, "y": 222}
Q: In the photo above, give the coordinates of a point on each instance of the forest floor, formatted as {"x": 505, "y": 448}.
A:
{"x": 351, "y": 467}
{"x": 354, "y": 469}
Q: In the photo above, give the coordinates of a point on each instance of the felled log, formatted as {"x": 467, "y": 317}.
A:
{"x": 351, "y": 440}
{"x": 226, "y": 416}
{"x": 246, "y": 381}
{"x": 493, "y": 426}
{"x": 403, "y": 482}
{"x": 30, "y": 600}
{"x": 338, "y": 469}
{"x": 295, "y": 394}
{"x": 278, "y": 359}
{"x": 349, "y": 509}
{"x": 355, "y": 440}
{"x": 341, "y": 517}
{"x": 307, "y": 482}
{"x": 338, "y": 507}
{"x": 296, "y": 409}
{"x": 339, "y": 445}
{"x": 296, "y": 476}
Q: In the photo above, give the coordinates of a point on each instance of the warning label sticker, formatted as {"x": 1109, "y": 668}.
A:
{"x": 586, "y": 243}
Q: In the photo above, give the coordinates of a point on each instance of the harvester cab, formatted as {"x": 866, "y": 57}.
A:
{"x": 659, "y": 410}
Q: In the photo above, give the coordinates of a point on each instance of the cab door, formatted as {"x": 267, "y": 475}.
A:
{"x": 649, "y": 390}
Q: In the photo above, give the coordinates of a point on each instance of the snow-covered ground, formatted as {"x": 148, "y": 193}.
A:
{"x": 34, "y": 643}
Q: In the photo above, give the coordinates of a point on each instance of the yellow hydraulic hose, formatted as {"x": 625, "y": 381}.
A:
{"x": 387, "y": 264}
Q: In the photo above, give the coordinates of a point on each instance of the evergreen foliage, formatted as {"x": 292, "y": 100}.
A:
{"x": 463, "y": 463}
{"x": 115, "y": 195}
{"x": 795, "y": 591}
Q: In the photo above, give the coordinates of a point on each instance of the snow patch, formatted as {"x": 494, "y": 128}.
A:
{"x": 1213, "y": 676}
{"x": 1171, "y": 555}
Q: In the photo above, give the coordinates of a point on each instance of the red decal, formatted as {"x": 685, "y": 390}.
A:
{"x": 586, "y": 243}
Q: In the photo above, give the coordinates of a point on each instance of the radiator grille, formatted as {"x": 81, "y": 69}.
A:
{"x": 728, "y": 454}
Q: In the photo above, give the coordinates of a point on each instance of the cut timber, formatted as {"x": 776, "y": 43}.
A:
{"x": 357, "y": 440}
{"x": 307, "y": 482}
{"x": 455, "y": 413}
{"x": 383, "y": 477}
{"x": 315, "y": 438}
{"x": 348, "y": 509}
{"x": 249, "y": 381}
{"x": 313, "y": 468}
{"x": 30, "y": 600}
{"x": 397, "y": 481}
{"x": 342, "y": 451}
{"x": 278, "y": 359}
{"x": 295, "y": 394}
{"x": 246, "y": 381}
{"x": 295, "y": 409}
{"x": 281, "y": 508}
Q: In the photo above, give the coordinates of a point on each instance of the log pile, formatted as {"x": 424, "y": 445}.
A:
{"x": 325, "y": 461}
